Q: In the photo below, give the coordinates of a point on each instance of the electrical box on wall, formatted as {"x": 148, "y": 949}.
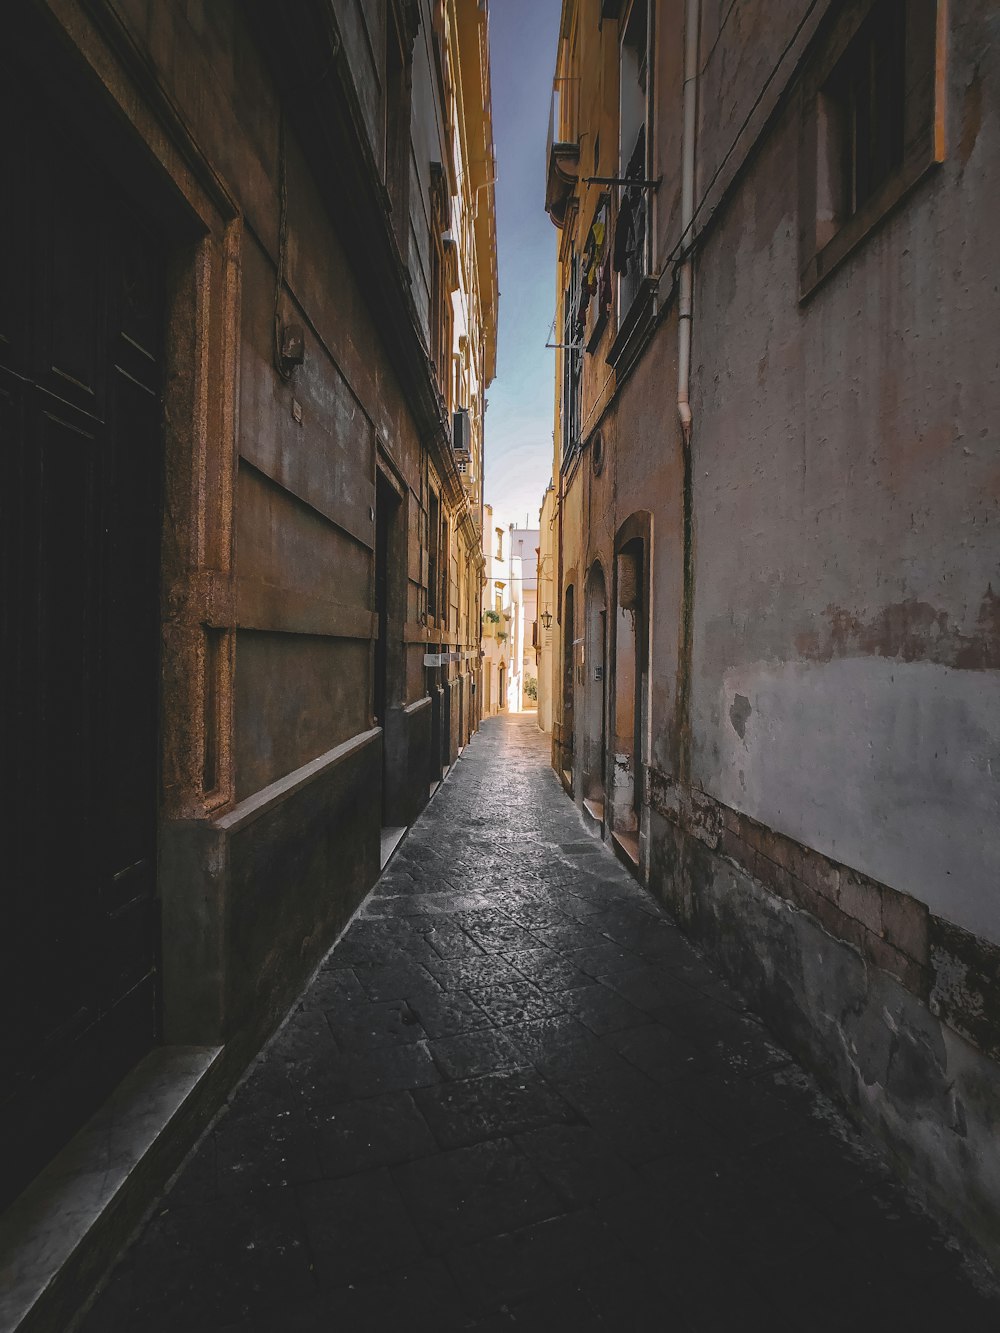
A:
{"x": 461, "y": 433}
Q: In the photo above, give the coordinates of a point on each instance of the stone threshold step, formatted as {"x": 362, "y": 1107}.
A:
{"x": 391, "y": 838}
{"x": 627, "y": 846}
{"x": 59, "y": 1237}
{"x": 593, "y": 815}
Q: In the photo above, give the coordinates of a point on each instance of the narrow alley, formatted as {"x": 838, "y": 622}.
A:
{"x": 515, "y": 1096}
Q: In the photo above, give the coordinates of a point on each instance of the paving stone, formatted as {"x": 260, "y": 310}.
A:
{"x": 548, "y": 970}
{"x": 481, "y": 1052}
{"x": 564, "y": 1307}
{"x": 747, "y": 1114}
{"x": 305, "y": 1037}
{"x": 466, "y": 973}
{"x": 647, "y": 986}
{"x": 409, "y": 908}
{"x": 388, "y": 1069}
{"x": 203, "y": 1270}
{"x": 515, "y": 1001}
{"x": 524, "y": 1263}
{"x": 446, "y": 1013}
{"x": 471, "y": 1193}
{"x": 331, "y": 985}
{"x": 259, "y": 1151}
{"x": 365, "y": 1025}
{"x": 369, "y": 1133}
{"x": 371, "y": 1305}
{"x": 396, "y": 982}
{"x": 564, "y": 1049}
{"x": 470, "y": 1110}
{"x": 640, "y": 1122}
{"x": 658, "y": 1052}
{"x": 602, "y": 1009}
{"x": 516, "y": 1097}
{"x": 535, "y": 914}
{"x": 577, "y": 1161}
{"x": 600, "y": 959}
{"x": 631, "y": 1295}
{"x": 357, "y": 1228}
{"x": 450, "y": 941}
{"x": 502, "y": 937}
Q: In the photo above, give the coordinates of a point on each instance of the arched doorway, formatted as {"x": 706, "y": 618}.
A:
{"x": 630, "y": 678}
{"x": 594, "y": 685}
{"x": 502, "y": 691}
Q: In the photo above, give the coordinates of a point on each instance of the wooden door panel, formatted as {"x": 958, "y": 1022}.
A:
{"x": 81, "y": 309}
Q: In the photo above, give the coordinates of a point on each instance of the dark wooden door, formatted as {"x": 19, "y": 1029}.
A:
{"x": 81, "y": 321}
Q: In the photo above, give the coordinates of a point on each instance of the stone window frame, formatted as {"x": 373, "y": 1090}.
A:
{"x": 923, "y": 146}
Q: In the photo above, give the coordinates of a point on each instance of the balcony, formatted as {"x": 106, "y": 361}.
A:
{"x": 563, "y": 149}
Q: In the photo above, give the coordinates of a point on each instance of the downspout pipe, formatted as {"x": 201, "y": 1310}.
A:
{"x": 692, "y": 16}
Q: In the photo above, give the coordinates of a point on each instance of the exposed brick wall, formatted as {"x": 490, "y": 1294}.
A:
{"x": 956, "y": 972}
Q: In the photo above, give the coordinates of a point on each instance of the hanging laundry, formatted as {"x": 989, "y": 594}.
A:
{"x": 595, "y": 249}
{"x": 605, "y": 287}
{"x": 625, "y": 230}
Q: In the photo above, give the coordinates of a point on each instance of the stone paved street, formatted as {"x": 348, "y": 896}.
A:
{"x": 515, "y": 1097}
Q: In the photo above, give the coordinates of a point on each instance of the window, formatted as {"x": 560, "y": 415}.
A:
{"x": 574, "y": 313}
{"x": 870, "y": 128}
{"x": 445, "y": 566}
{"x": 397, "y": 126}
{"x": 633, "y": 205}
{"x": 499, "y": 532}
{"x": 444, "y": 280}
{"x": 498, "y": 602}
{"x": 433, "y": 555}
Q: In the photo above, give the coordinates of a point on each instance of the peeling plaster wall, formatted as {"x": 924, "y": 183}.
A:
{"x": 835, "y": 841}
{"x": 847, "y": 500}
{"x": 883, "y": 765}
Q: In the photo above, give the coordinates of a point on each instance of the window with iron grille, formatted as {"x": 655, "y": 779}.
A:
{"x": 632, "y": 223}
{"x": 572, "y": 354}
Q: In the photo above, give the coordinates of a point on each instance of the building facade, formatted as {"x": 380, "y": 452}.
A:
{"x": 777, "y": 689}
{"x": 509, "y": 614}
{"x": 546, "y": 627}
{"x": 496, "y": 644}
{"x": 248, "y": 321}
{"x": 523, "y": 594}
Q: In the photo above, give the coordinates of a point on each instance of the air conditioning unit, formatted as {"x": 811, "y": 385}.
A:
{"x": 461, "y": 433}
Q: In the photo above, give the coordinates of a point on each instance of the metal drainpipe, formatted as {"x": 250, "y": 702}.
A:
{"x": 692, "y": 17}
{"x": 691, "y": 23}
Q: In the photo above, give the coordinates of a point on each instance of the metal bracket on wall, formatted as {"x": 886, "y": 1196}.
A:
{"x": 619, "y": 180}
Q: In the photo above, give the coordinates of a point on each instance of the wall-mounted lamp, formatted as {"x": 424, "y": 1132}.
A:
{"x": 547, "y": 619}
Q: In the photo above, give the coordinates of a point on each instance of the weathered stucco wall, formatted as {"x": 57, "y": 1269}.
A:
{"x": 847, "y": 638}
{"x": 821, "y": 795}
{"x": 299, "y": 602}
